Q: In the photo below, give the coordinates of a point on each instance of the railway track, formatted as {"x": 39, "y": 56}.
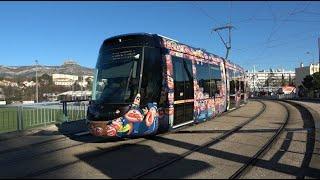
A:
{"x": 102, "y": 152}
{"x": 246, "y": 166}
{"x": 83, "y": 134}
{"x": 242, "y": 170}
{"x": 197, "y": 148}
{"x": 161, "y": 164}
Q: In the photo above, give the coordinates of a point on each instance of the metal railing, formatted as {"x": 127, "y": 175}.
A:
{"x": 25, "y": 116}
{"x": 292, "y": 96}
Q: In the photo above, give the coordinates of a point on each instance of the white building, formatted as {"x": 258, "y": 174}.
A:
{"x": 75, "y": 95}
{"x": 257, "y": 81}
{"x": 64, "y": 79}
{"x": 303, "y": 71}
{"x": 2, "y": 96}
{"x": 8, "y": 83}
{"x": 29, "y": 83}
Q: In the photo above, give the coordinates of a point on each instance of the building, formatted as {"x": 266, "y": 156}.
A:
{"x": 270, "y": 80}
{"x": 50, "y": 96}
{"x": 64, "y": 79}
{"x": 303, "y": 71}
{"x": 8, "y": 83}
{"x": 2, "y": 96}
{"x": 74, "y": 95}
{"x": 29, "y": 83}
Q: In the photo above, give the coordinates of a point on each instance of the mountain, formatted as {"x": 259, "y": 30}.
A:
{"x": 69, "y": 67}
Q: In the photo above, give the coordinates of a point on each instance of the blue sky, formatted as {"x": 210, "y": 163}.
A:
{"x": 268, "y": 34}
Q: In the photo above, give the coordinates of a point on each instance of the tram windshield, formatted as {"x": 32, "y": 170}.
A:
{"x": 116, "y": 76}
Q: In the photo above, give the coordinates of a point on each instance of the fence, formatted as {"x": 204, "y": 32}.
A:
{"x": 291, "y": 96}
{"x": 25, "y": 116}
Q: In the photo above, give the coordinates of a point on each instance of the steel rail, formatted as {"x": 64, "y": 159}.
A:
{"x": 245, "y": 167}
{"x": 116, "y": 147}
{"x": 197, "y": 148}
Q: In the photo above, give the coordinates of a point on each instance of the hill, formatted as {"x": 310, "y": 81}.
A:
{"x": 69, "y": 67}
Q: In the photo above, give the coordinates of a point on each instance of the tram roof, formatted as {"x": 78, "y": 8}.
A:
{"x": 156, "y": 39}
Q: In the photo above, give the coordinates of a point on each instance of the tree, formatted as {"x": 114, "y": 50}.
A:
{"x": 89, "y": 87}
{"x": 283, "y": 81}
{"x": 46, "y": 79}
{"x": 76, "y": 86}
{"x": 308, "y": 83}
{"x": 301, "y": 91}
{"x": 290, "y": 80}
{"x": 316, "y": 81}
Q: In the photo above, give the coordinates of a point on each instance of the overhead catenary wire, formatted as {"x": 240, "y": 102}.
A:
{"x": 288, "y": 39}
{"x": 286, "y": 20}
{"x": 276, "y": 28}
{"x": 282, "y": 21}
{"x": 206, "y": 14}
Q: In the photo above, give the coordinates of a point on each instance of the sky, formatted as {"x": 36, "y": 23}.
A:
{"x": 266, "y": 34}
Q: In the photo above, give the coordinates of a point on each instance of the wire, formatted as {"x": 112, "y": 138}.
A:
{"x": 272, "y": 46}
{"x": 271, "y": 10}
{"x": 206, "y": 14}
{"x": 286, "y": 20}
{"x": 230, "y": 14}
{"x": 276, "y": 28}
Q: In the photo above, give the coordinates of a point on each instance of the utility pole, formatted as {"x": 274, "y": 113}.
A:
{"x": 319, "y": 52}
{"x": 254, "y": 77}
{"x": 226, "y": 44}
{"x": 312, "y": 60}
{"x": 37, "y": 97}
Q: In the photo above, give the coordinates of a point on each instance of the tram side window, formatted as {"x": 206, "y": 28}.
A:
{"x": 187, "y": 66}
{"x": 178, "y": 78}
{"x": 242, "y": 86}
{"x": 237, "y": 85}
{"x": 232, "y": 87}
{"x": 183, "y": 78}
{"x": 232, "y": 81}
{"x": 247, "y": 87}
{"x": 203, "y": 77}
{"x": 151, "y": 76}
{"x": 215, "y": 75}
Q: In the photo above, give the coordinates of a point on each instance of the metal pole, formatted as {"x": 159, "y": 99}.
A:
{"x": 312, "y": 60}
{"x": 37, "y": 81}
{"x": 254, "y": 82}
{"x": 227, "y": 44}
{"x": 319, "y": 51}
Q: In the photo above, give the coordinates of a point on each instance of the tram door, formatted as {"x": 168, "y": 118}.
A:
{"x": 183, "y": 91}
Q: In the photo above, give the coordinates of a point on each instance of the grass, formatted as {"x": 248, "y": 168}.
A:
{"x": 34, "y": 117}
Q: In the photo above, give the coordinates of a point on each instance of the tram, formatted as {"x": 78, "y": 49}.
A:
{"x": 145, "y": 84}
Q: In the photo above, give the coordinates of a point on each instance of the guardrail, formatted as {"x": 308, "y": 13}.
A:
{"x": 288, "y": 97}
{"x": 25, "y": 116}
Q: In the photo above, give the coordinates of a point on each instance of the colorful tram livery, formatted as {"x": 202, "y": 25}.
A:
{"x": 146, "y": 84}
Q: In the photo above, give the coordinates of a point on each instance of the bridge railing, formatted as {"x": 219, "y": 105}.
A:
{"x": 25, "y": 116}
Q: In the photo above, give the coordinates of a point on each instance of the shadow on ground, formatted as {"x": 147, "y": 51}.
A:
{"x": 125, "y": 164}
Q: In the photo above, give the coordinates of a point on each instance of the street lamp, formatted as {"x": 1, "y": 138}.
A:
{"x": 37, "y": 81}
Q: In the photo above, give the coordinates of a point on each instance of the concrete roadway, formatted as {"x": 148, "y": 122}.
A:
{"x": 50, "y": 154}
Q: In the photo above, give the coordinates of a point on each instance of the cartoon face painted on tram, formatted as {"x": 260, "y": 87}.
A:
{"x": 136, "y": 121}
